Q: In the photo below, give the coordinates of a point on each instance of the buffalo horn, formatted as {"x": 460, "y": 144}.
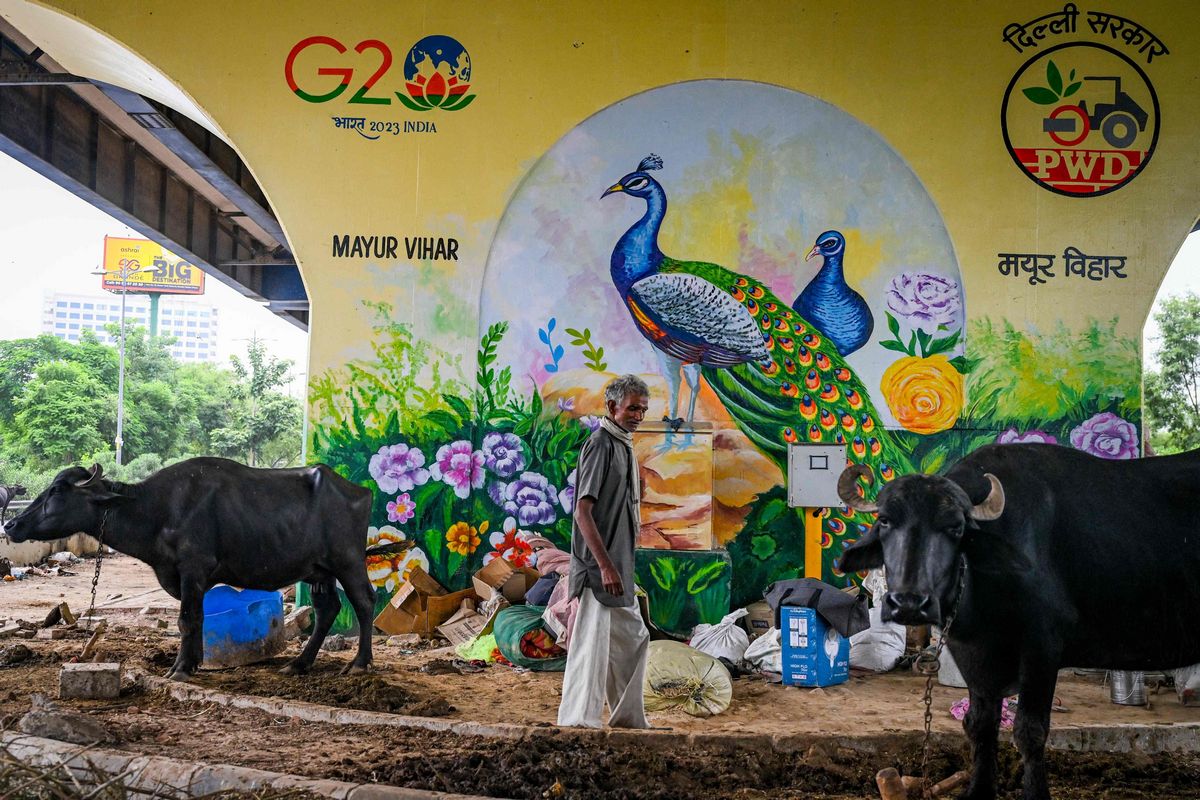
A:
{"x": 993, "y": 505}
{"x": 95, "y": 476}
{"x": 848, "y": 488}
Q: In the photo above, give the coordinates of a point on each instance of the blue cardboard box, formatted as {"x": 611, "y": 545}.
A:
{"x": 814, "y": 654}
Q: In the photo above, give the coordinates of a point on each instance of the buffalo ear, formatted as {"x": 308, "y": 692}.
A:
{"x": 866, "y": 553}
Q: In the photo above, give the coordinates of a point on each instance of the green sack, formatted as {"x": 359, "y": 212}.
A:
{"x": 512, "y": 624}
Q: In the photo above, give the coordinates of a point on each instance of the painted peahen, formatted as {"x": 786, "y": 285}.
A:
{"x": 830, "y": 304}
{"x": 777, "y": 376}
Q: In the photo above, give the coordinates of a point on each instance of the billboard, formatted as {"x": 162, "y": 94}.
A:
{"x": 150, "y": 268}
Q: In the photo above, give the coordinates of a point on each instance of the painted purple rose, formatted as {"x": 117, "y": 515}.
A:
{"x": 502, "y": 453}
{"x": 398, "y": 468}
{"x": 566, "y": 404}
{"x": 1106, "y": 435}
{"x": 591, "y": 422}
{"x": 495, "y": 490}
{"x": 529, "y": 498}
{"x": 1013, "y": 436}
{"x": 458, "y": 466}
{"x": 566, "y": 498}
{"x": 926, "y": 301}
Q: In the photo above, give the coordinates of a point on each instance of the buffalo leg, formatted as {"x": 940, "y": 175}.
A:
{"x": 327, "y": 605}
{"x": 191, "y": 629}
{"x": 982, "y": 726}
{"x": 1032, "y": 727}
{"x": 362, "y": 596}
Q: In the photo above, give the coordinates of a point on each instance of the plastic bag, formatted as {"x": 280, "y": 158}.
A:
{"x": 726, "y": 639}
{"x": 678, "y": 676}
{"x": 766, "y": 652}
{"x": 880, "y": 646}
{"x": 480, "y": 648}
{"x": 1187, "y": 684}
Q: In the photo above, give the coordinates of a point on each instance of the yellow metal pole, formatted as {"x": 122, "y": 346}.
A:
{"x": 812, "y": 543}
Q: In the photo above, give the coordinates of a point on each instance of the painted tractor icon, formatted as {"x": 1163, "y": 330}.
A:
{"x": 1119, "y": 122}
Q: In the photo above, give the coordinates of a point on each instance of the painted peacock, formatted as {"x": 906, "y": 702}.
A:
{"x": 778, "y": 377}
{"x": 828, "y": 302}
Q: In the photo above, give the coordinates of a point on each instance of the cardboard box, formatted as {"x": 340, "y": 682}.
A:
{"x": 814, "y": 654}
{"x": 464, "y": 625}
{"x": 420, "y": 605}
{"x": 503, "y": 578}
{"x": 758, "y": 619}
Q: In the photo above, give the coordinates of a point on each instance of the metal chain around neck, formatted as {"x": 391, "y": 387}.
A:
{"x": 96, "y": 576}
{"x": 929, "y": 667}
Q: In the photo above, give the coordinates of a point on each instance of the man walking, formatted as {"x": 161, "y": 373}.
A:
{"x": 607, "y": 656}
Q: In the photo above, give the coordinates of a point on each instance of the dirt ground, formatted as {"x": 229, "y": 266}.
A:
{"x": 883, "y": 708}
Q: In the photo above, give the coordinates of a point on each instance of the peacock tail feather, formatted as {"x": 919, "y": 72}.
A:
{"x": 805, "y": 393}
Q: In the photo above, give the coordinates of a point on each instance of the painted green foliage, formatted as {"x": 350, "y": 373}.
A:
{"x": 469, "y": 476}
{"x": 466, "y": 477}
{"x": 684, "y": 587}
{"x": 1078, "y": 388}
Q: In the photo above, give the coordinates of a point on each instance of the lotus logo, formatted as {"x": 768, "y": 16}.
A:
{"x": 437, "y": 74}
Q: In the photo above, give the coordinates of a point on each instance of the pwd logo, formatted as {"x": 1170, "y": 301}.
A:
{"x": 1080, "y": 119}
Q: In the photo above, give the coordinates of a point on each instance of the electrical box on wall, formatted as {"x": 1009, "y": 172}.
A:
{"x": 813, "y": 472}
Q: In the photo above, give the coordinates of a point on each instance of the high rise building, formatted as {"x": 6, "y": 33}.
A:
{"x": 191, "y": 323}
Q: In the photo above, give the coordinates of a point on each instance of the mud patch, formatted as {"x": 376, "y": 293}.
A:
{"x": 370, "y": 692}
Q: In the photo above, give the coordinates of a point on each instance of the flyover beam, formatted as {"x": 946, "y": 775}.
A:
{"x": 58, "y": 133}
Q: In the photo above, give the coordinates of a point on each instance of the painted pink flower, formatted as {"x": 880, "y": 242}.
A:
{"x": 401, "y": 509}
{"x": 1013, "y": 436}
{"x": 1106, "y": 435}
{"x": 459, "y": 466}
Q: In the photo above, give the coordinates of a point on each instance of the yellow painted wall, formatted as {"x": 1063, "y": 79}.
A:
{"x": 929, "y": 77}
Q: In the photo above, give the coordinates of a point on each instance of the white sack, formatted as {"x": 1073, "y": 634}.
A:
{"x": 880, "y": 646}
{"x": 726, "y": 639}
{"x": 766, "y": 652}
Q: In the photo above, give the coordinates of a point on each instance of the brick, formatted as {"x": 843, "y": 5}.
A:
{"x": 89, "y": 681}
{"x": 9, "y": 629}
{"x": 52, "y": 633}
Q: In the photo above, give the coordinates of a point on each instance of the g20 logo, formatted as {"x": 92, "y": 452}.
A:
{"x": 437, "y": 74}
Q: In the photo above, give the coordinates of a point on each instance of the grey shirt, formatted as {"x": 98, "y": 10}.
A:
{"x": 605, "y": 473}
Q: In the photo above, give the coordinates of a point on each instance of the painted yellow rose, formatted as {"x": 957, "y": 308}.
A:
{"x": 924, "y": 394}
{"x": 463, "y": 538}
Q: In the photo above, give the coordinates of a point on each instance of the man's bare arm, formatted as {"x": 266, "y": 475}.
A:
{"x": 591, "y": 537}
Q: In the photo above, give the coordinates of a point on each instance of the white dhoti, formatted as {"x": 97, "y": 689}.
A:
{"x": 606, "y": 661}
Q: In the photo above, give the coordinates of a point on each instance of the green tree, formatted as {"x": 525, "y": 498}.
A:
{"x": 1173, "y": 391}
{"x": 19, "y": 360}
{"x": 58, "y": 415}
{"x": 265, "y": 424}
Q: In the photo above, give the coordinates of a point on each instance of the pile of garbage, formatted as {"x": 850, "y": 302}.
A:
{"x": 53, "y": 566}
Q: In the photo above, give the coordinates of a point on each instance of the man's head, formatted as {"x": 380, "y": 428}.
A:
{"x": 627, "y": 398}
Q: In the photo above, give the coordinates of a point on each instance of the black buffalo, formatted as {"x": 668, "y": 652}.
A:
{"x": 206, "y": 521}
{"x": 1047, "y": 558}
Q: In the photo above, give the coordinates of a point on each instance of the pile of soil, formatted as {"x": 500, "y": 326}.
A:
{"x": 325, "y": 686}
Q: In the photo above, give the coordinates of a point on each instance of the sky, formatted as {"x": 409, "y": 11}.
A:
{"x": 50, "y": 241}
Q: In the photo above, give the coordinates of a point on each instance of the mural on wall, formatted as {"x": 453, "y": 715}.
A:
{"x": 741, "y": 268}
{"x": 796, "y": 200}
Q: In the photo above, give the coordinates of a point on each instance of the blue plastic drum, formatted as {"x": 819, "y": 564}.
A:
{"x": 241, "y": 626}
